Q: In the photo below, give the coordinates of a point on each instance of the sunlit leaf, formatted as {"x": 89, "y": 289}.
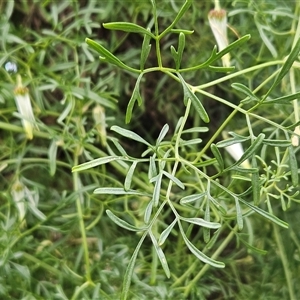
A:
{"x": 129, "y": 134}
{"x": 129, "y": 175}
{"x": 162, "y": 134}
{"x": 174, "y": 179}
{"x": 95, "y": 163}
{"x": 201, "y": 222}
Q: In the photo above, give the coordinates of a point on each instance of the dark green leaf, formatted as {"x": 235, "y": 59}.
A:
{"x": 136, "y": 96}
{"x": 277, "y": 143}
{"x": 250, "y": 151}
{"x": 283, "y": 99}
{"x": 188, "y": 94}
{"x": 215, "y": 151}
{"x": 293, "y": 166}
{"x": 265, "y": 214}
{"x": 286, "y": 67}
{"x": 146, "y": 47}
{"x": 127, "y": 27}
{"x": 245, "y": 90}
{"x": 255, "y": 182}
{"x": 107, "y": 56}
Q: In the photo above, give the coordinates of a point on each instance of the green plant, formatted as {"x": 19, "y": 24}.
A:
{"x": 181, "y": 188}
{"x": 166, "y": 174}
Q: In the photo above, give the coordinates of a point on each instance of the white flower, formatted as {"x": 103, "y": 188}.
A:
{"x": 236, "y": 151}
{"x": 99, "y": 118}
{"x": 18, "y": 191}
{"x": 24, "y": 107}
{"x": 218, "y": 23}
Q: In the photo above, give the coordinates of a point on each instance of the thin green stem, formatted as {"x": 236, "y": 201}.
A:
{"x": 76, "y": 183}
{"x": 285, "y": 263}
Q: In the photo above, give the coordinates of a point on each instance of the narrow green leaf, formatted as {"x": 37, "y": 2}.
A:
{"x": 195, "y": 101}
{"x": 148, "y": 212}
{"x": 283, "y": 100}
{"x": 129, "y": 134}
{"x": 265, "y": 214}
{"x": 156, "y": 192}
{"x": 192, "y": 198}
{"x": 119, "y": 147}
{"x": 164, "y": 235}
{"x": 215, "y": 151}
{"x": 245, "y": 90}
{"x": 117, "y": 191}
{"x": 152, "y": 171}
{"x": 127, "y": 27}
{"x": 122, "y": 223}
{"x": 190, "y": 142}
{"x": 52, "y": 152}
{"x": 136, "y": 96}
{"x": 160, "y": 255}
{"x": 181, "y": 45}
{"x": 214, "y": 238}
{"x": 293, "y": 166}
{"x": 255, "y": 182}
{"x": 233, "y": 46}
{"x": 206, "y": 231}
{"x": 130, "y": 269}
{"x": 200, "y": 255}
{"x": 231, "y": 141}
{"x": 252, "y": 248}
{"x": 286, "y": 66}
{"x": 174, "y": 179}
{"x": 184, "y": 31}
{"x": 146, "y": 47}
{"x": 239, "y": 216}
{"x": 162, "y": 134}
{"x": 175, "y": 56}
{"x": 95, "y": 163}
{"x": 250, "y": 151}
{"x": 107, "y": 56}
{"x": 201, "y": 222}
{"x": 129, "y": 175}
{"x": 181, "y": 12}
{"x": 195, "y": 129}
{"x": 277, "y": 143}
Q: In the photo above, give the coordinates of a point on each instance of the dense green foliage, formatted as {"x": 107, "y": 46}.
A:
{"x": 155, "y": 208}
